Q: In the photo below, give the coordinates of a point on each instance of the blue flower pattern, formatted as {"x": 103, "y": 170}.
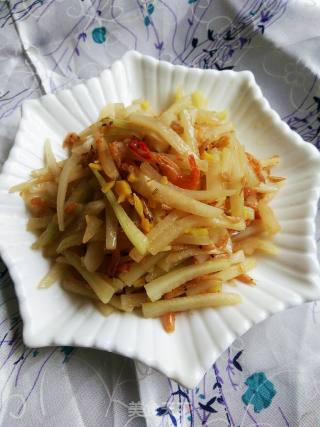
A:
{"x": 99, "y": 34}
{"x": 209, "y": 48}
{"x": 260, "y": 391}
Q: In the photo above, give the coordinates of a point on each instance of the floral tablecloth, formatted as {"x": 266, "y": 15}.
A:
{"x": 269, "y": 377}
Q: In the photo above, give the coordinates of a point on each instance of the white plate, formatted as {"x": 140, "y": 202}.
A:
{"x": 52, "y": 317}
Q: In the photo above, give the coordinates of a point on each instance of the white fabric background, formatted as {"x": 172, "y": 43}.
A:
{"x": 49, "y": 44}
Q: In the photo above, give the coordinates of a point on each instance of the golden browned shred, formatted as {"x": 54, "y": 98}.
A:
{"x": 153, "y": 212}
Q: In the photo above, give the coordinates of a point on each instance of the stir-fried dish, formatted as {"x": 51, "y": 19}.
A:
{"x": 153, "y": 212}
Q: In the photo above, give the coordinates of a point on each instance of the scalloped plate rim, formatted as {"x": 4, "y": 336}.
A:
{"x": 28, "y": 337}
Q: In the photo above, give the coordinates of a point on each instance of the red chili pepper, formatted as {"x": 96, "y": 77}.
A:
{"x": 141, "y": 150}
